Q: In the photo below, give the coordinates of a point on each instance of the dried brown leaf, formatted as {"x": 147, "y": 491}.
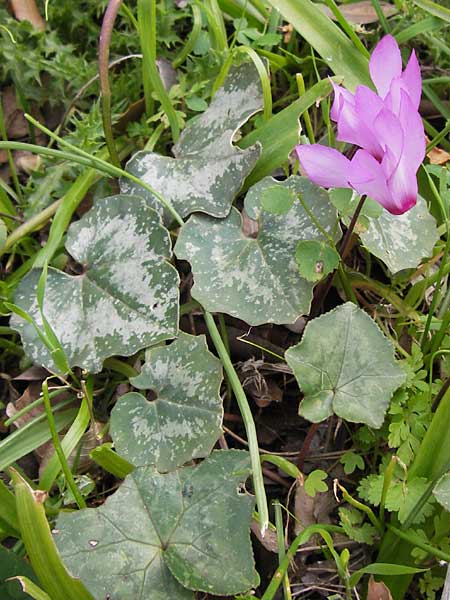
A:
{"x": 27, "y": 10}
{"x": 438, "y": 156}
{"x": 378, "y": 590}
{"x": 361, "y": 13}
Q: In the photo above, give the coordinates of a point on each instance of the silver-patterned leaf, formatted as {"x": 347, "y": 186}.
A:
{"x": 180, "y": 529}
{"x": 401, "y": 241}
{"x": 184, "y": 420}
{"x": 125, "y": 299}
{"x": 208, "y": 169}
{"x": 344, "y": 364}
{"x": 255, "y": 277}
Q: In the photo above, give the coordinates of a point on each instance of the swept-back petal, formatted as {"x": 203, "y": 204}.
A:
{"x": 324, "y": 166}
{"x": 367, "y": 177}
{"x": 385, "y": 64}
{"x": 412, "y": 80}
{"x": 341, "y": 96}
{"x": 414, "y": 134}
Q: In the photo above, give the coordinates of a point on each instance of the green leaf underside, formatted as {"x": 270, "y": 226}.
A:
{"x": 344, "y": 364}
{"x": 127, "y": 297}
{"x": 401, "y": 241}
{"x": 207, "y": 170}
{"x": 441, "y": 491}
{"x": 181, "y": 528}
{"x": 184, "y": 422}
{"x": 12, "y": 565}
{"x": 240, "y": 275}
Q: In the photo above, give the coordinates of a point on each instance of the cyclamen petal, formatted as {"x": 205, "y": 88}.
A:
{"x": 412, "y": 80}
{"x": 385, "y": 64}
{"x": 386, "y": 126}
{"x": 324, "y": 166}
{"x": 367, "y": 177}
{"x": 341, "y": 96}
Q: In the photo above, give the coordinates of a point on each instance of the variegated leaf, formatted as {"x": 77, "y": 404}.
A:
{"x": 179, "y": 529}
{"x": 401, "y": 241}
{"x": 344, "y": 364}
{"x": 184, "y": 420}
{"x": 208, "y": 169}
{"x": 126, "y": 297}
{"x": 254, "y": 276}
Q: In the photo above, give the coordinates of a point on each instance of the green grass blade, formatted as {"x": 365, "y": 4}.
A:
{"x": 327, "y": 39}
{"x": 434, "y": 9}
{"x": 8, "y": 513}
{"x": 31, "y": 436}
{"x": 31, "y": 588}
{"x": 40, "y": 547}
{"x": 109, "y": 460}
{"x": 279, "y": 134}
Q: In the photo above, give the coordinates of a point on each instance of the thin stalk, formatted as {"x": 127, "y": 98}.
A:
{"x": 106, "y": 167}
{"x": 386, "y": 484}
{"x": 347, "y": 27}
{"x": 247, "y": 417}
{"x": 147, "y": 33}
{"x": 35, "y": 222}
{"x": 419, "y": 543}
{"x": 302, "y": 538}
{"x": 58, "y": 449}
{"x": 345, "y": 244}
{"x": 301, "y": 92}
{"x": 360, "y": 506}
{"x": 217, "y": 24}
{"x": 281, "y": 548}
{"x": 188, "y": 46}
{"x": 264, "y": 77}
{"x": 439, "y": 137}
{"x": 381, "y": 17}
{"x": 103, "y": 71}
{"x": 11, "y": 163}
{"x": 152, "y": 78}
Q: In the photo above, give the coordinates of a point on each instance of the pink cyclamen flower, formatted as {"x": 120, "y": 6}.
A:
{"x": 386, "y": 126}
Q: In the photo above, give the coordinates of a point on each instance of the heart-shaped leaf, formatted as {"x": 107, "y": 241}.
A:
{"x": 344, "y": 364}
{"x": 256, "y": 278}
{"x": 180, "y": 528}
{"x": 208, "y": 170}
{"x": 125, "y": 299}
{"x": 401, "y": 241}
{"x": 184, "y": 421}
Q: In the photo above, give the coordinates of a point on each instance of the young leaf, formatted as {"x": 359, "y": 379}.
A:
{"x": 184, "y": 420}
{"x": 241, "y": 275}
{"x": 344, "y": 364}
{"x": 208, "y": 170}
{"x": 352, "y": 461}
{"x": 179, "y": 529}
{"x": 351, "y": 520}
{"x": 401, "y": 241}
{"x": 277, "y": 200}
{"x": 315, "y": 482}
{"x": 125, "y": 299}
{"x": 316, "y": 260}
